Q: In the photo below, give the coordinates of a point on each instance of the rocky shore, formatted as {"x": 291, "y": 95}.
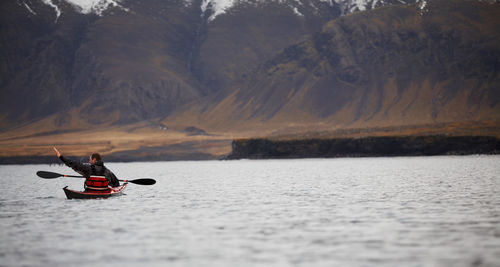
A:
{"x": 364, "y": 147}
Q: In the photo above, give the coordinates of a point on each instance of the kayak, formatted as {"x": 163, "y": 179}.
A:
{"x": 90, "y": 194}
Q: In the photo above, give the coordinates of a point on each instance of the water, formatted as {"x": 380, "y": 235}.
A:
{"x": 416, "y": 211}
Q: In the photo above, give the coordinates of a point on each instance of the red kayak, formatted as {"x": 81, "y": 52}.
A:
{"x": 89, "y": 194}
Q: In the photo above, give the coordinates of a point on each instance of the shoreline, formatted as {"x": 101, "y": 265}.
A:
{"x": 25, "y": 160}
{"x": 266, "y": 148}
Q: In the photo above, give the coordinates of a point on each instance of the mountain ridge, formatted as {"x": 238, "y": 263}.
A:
{"x": 217, "y": 7}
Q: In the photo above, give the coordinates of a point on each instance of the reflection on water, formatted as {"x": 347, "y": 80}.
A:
{"x": 420, "y": 211}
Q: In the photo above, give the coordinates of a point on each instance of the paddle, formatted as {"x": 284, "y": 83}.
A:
{"x": 52, "y": 175}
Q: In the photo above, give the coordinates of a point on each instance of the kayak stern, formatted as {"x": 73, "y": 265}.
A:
{"x": 111, "y": 192}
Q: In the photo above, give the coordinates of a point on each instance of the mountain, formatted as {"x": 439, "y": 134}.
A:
{"x": 245, "y": 67}
{"x": 392, "y": 65}
{"x": 110, "y": 61}
{"x": 397, "y": 65}
{"x": 120, "y": 67}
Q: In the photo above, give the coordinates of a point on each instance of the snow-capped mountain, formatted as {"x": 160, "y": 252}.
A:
{"x": 124, "y": 61}
{"x": 217, "y": 7}
{"x": 82, "y": 6}
{"x": 346, "y": 6}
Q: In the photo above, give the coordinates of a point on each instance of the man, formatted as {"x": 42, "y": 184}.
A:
{"x": 96, "y": 168}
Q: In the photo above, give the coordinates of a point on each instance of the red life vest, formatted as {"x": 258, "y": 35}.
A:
{"x": 97, "y": 183}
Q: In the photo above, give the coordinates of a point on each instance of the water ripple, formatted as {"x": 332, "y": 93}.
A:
{"x": 423, "y": 211}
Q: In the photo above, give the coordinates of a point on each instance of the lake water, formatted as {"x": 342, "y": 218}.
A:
{"x": 404, "y": 211}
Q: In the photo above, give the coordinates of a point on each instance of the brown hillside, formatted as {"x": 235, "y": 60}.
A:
{"x": 392, "y": 66}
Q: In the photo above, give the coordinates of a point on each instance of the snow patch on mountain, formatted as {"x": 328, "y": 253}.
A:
{"x": 29, "y": 8}
{"x": 423, "y": 7}
{"x": 93, "y": 6}
{"x": 297, "y": 12}
{"x": 85, "y": 6}
{"x": 355, "y": 5}
{"x": 350, "y": 6}
{"x": 54, "y": 6}
{"x": 217, "y": 7}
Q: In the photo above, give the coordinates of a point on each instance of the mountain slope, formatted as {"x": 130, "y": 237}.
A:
{"x": 35, "y": 72}
{"x": 247, "y": 34}
{"x": 391, "y": 66}
{"x": 120, "y": 67}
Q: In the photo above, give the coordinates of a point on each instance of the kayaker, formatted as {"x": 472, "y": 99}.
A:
{"x": 96, "y": 167}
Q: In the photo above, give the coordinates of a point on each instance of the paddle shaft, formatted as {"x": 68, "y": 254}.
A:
{"x": 72, "y": 176}
{"x": 52, "y": 175}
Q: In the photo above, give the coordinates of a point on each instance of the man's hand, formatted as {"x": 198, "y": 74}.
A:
{"x": 57, "y": 152}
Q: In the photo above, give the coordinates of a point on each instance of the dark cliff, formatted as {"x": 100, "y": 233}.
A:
{"x": 364, "y": 147}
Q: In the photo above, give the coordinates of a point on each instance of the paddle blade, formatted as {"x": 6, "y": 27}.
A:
{"x": 143, "y": 181}
{"x": 48, "y": 175}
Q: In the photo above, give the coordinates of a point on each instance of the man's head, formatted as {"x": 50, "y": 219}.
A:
{"x": 94, "y": 158}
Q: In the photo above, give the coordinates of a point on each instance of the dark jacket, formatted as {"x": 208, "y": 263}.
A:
{"x": 88, "y": 170}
